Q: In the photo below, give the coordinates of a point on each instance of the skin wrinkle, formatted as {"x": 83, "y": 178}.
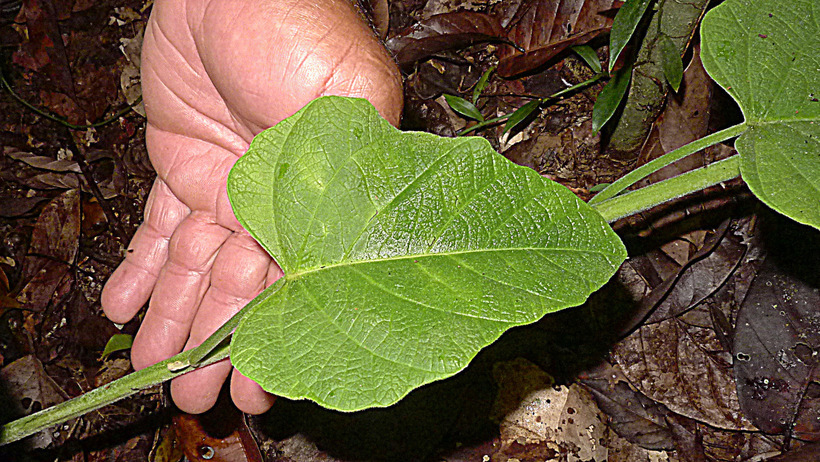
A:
{"x": 328, "y": 84}
{"x": 207, "y": 122}
{"x": 155, "y": 27}
{"x": 196, "y": 95}
{"x": 145, "y": 262}
{"x": 197, "y": 254}
{"x": 155, "y": 222}
{"x": 160, "y": 251}
{"x": 187, "y": 172}
{"x": 206, "y": 91}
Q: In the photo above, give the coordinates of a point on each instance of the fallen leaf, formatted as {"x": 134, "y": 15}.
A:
{"x": 684, "y": 119}
{"x": 700, "y": 277}
{"x": 426, "y": 115}
{"x": 44, "y": 48}
{"x": 632, "y": 415}
{"x": 546, "y": 28}
{"x": 807, "y": 453}
{"x": 648, "y": 91}
{"x": 43, "y": 162}
{"x": 545, "y": 420}
{"x": 11, "y": 207}
{"x": 531, "y": 60}
{"x": 679, "y": 362}
{"x": 56, "y": 232}
{"x": 28, "y": 389}
{"x": 54, "y": 244}
{"x": 111, "y": 370}
{"x": 442, "y": 32}
{"x": 379, "y": 15}
{"x": 725, "y": 445}
{"x": 776, "y": 344}
{"x": 130, "y": 82}
{"x": 673, "y": 288}
{"x": 621, "y": 450}
{"x": 219, "y": 435}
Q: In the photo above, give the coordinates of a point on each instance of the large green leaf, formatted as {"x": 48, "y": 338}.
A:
{"x": 404, "y": 254}
{"x": 765, "y": 54}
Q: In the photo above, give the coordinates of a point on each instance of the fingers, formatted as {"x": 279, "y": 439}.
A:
{"x": 248, "y": 396}
{"x": 179, "y": 290}
{"x": 129, "y": 287}
{"x": 239, "y": 273}
{"x": 197, "y": 391}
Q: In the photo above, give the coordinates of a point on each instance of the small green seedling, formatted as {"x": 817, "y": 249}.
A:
{"x": 470, "y": 110}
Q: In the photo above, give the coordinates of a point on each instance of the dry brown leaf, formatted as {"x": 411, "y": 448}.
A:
{"x": 546, "y": 419}
{"x": 678, "y": 362}
{"x": 544, "y": 28}
{"x": 42, "y": 162}
{"x": 29, "y": 389}
{"x": 54, "y": 244}
{"x": 444, "y": 32}
{"x": 684, "y": 119}
{"x": 777, "y": 340}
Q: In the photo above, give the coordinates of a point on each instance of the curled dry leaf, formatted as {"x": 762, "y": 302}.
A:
{"x": 42, "y": 162}
{"x": 444, "y": 32}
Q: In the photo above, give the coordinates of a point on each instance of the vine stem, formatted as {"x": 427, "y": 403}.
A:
{"x": 61, "y": 120}
{"x": 645, "y": 198}
{"x": 217, "y": 347}
{"x": 214, "y": 348}
{"x": 105, "y": 395}
{"x": 650, "y": 167}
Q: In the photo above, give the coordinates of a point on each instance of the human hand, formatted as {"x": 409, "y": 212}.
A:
{"x": 214, "y": 74}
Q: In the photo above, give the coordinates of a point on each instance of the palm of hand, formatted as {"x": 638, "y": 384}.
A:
{"x": 214, "y": 77}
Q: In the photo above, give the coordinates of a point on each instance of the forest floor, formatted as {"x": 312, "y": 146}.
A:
{"x": 703, "y": 347}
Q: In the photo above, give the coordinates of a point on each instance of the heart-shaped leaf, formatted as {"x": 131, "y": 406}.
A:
{"x": 404, "y": 254}
{"x": 764, "y": 53}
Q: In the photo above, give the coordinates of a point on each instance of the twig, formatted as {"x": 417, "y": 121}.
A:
{"x": 79, "y": 155}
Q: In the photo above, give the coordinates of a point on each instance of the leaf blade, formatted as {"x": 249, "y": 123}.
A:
{"x": 624, "y": 27}
{"x": 610, "y": 98}
{"x": 418, "y": 252}
{"x": 464, "y": 107}
{"x": 763, "y": 54}
{"x": 588, "y": 54}
{"x": 520, "y": 114}
{"x": 672, "y": 63}
{"x": 781, "y": 165}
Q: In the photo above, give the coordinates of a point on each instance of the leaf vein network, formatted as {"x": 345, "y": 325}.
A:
{"x": 387, "y": 291}
{"x": 350, "y": 338}
{"x": 425, "y": 172}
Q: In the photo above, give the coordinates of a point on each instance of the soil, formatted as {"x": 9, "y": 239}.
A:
{"x": 702, "y": 348}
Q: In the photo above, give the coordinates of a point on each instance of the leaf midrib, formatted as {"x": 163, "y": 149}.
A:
{"x": 297, "y": 274}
